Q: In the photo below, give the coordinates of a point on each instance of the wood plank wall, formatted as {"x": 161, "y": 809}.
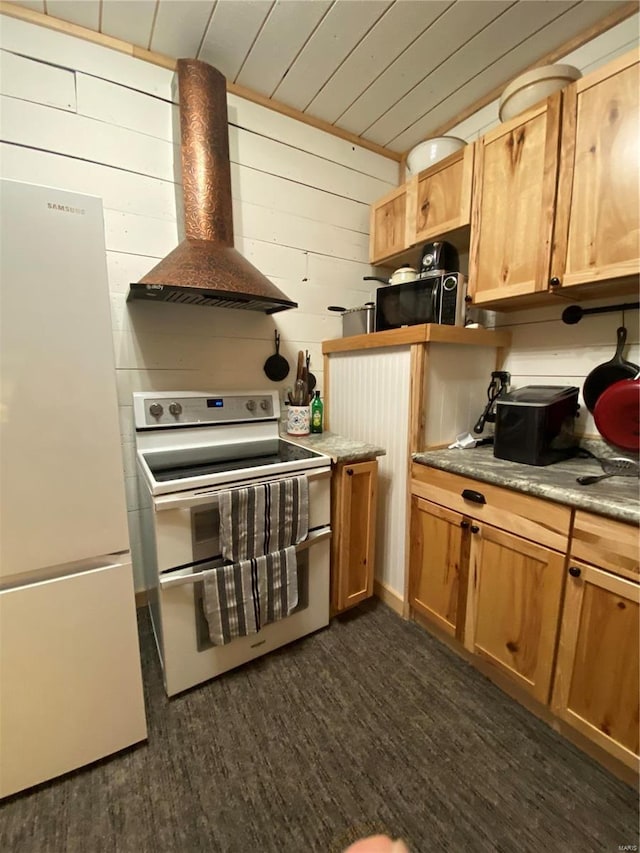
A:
{"x": 545, "y": 350}
{"x": 84, "y": 118}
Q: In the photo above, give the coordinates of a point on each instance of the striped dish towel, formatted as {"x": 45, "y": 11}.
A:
{"x": 242, "y": 597}
{"x": 265, "y": 518}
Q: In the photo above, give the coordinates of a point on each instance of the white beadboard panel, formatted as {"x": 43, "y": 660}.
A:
{"x": 49, "y": 129}
{"x": 285, "y": 31}
{"x": 70, "y": 52}
{"x": 130, "y": 20}
{"x": 254, "y": 186}
{"x": 426, "y": 53}
{"x": 40, "y": 82}
{"x": 336, "y": 36}
{"x": 251, "y": 116}
{"x": 85, "y": 13}
{"x": 124, "y": 107}
{"x": 181, "y": 37}
{"x": 225, "y": 53}
{"x": 369, "y": 401}
{"x": 119, "y": 190}
{"x": 457, "y": 381}
{"x": 385, "y": 41}
{"x": 282, "y": 159}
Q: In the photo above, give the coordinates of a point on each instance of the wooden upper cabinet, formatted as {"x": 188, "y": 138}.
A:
{"x": 516, "y": 169}
{"x": 388, "y": 226}
{"x": 597, "y": 234}
{"x": 439, "y": 199}
{"x": 598, "y": 673}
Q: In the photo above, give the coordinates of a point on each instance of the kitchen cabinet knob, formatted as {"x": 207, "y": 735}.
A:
{"x": 464, "y": 525}
{"x": 350, "y": 472}
{"x": 473, "y": 496}
{"x": 475, "y": 528}
{"x": 574, "y": 571}
{"x": 554, "y": 282}
{"x": 468, "y": 298}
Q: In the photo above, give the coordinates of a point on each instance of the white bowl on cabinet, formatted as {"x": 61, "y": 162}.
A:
{"x": 431, "y": 151}
{"x": 533, "y": 86}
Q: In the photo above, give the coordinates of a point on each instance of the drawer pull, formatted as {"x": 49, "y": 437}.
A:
{"x": 575, "y": 572}
{"x": 350, "y": 472}
{"x": 475, "y": 528}
{"x": 474, "y": 497}
{"x": 464, "y": 525}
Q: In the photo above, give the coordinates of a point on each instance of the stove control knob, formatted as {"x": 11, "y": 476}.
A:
{"x": 251, "y": 405}
{"x": 264, "y": 405}
{"x": 175, "y": 409}
{"x": 156, "y": 410}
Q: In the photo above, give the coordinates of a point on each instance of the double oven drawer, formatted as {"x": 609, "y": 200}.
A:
{"x": 187, "y": 523}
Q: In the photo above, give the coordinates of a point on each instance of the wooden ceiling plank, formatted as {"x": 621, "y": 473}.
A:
{"x": 377, "y": 50}
{"x": 458, "y": 24}
{"x": 466, "y": 107}
{"x": 499, "y": 38}
{"x": 180, "y": 27}
{"x": 130, "y": 20}
{"x": 338, "y": 34}
{"x": 232, "y": 31}
{"x": 283, "y": 36}
{"x": 86, "y": 14}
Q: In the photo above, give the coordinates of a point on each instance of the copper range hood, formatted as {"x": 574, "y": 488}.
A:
{"x": 205, "y": 269}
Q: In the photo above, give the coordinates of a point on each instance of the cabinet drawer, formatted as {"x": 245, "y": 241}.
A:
{"x": 604, "y": 542}
{"x": 532, "y": 518}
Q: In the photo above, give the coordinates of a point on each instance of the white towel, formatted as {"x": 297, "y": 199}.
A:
{"x": 263, "y": 519}
{"x": 240, "y": 598}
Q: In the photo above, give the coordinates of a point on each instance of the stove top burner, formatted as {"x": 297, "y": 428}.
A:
{"x": 196, "y": 462}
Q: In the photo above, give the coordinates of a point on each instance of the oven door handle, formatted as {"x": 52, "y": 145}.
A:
{"x": 312, "y": 539}
{"x": 182, "y": 501}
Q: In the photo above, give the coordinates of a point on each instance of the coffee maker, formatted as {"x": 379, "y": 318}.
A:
{"x": 437, "y": 258}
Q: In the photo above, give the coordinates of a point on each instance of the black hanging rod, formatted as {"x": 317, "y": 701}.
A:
{"x": 574, "y": 313}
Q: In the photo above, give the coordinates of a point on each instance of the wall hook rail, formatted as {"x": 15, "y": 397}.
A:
{"x": 574, "y": 313}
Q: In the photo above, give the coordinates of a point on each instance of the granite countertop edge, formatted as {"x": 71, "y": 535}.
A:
{"x": 554, "y": 482}
{"x": 338, "y": 447}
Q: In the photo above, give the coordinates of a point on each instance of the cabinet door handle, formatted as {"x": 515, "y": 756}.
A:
{"x": 464, "y": 525}
{"x": 575, "y": 572}
{"x": 554, "y": 282}
{"x": 474, "y": 497}
{"x": 350, "y": 472}
{"x": 475, "y": 528}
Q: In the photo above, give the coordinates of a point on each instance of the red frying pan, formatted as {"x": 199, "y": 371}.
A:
{"x": 617, "y": 413}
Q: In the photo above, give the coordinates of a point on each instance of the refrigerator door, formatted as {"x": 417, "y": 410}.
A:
{"x": 69, "y": 674}
{"x": 61, "y": 477}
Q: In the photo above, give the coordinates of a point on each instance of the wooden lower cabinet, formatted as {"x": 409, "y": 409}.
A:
{"x": 597, "y": 674}
{"x": 513, "y": 607}
{"x": 438, "y": 560}
{"x": 353, "y": 523}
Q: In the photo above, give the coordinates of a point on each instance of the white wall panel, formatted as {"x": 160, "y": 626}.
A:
{"x": 36, "y": 81}
{"x": 85, "y": 13}
{"x": 369, "y": 401}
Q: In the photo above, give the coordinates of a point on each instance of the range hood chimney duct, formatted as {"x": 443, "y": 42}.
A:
{"x": 205, "y": 269}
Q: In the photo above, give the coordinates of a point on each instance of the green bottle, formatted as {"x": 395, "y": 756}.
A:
{"x": 316, "y": 413}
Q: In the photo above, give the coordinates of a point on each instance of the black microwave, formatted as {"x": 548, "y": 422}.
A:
{"x": 438, "y": 298}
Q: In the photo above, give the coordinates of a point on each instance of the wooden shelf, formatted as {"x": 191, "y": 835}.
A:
{"x": 423, "y": 334}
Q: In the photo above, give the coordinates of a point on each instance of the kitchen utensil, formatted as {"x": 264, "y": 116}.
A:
{"x": 617, "y": 414}
{"x": 533, "y": 86}
{"x": 605, "y": 374}
{"x": 356, "y": 321}
{"x": 617, "y": 466}
{"x": 276, "y": 366}
{"x": 431, "y": 151}
{"x": 311, "y": 379}
{"x": 300, "y": 364}
{"x": 399, "y": 276}
{"x": 574, "y": 313}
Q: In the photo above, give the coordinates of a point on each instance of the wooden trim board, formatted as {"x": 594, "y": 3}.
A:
{"x": 426, "y": 333}
{"x": 389, "y": 597}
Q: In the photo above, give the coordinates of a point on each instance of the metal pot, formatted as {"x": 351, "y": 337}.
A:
{"x": 356, "y": 321}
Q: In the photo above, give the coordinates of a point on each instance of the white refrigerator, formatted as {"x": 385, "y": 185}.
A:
{"x": 70, "y": 679}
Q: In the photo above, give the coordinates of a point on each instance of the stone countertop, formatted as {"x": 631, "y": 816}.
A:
{"x": 340, "y": 449}
{"x": 615, "y": 497}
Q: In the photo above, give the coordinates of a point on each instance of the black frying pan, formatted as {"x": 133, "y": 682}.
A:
{"x": 607, "y": 373}
{"x": 276, "y": 366}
